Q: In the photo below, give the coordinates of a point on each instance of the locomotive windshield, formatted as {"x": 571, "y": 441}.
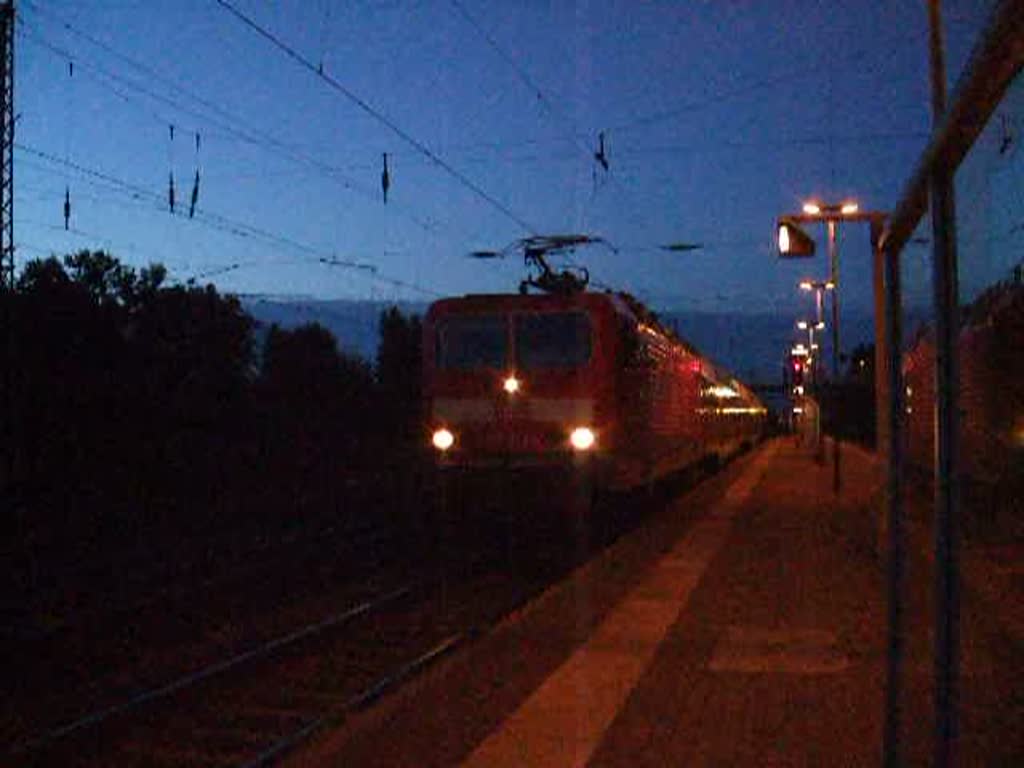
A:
{"x": 472, "y": 341}
{"x": 552, "y": 340}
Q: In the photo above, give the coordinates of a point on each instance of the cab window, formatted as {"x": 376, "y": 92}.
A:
{"x": 552, "y": 340}
{"x": 472, "y": 341}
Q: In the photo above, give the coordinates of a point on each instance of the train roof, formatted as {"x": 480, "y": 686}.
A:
{"x": 485, "y": 301}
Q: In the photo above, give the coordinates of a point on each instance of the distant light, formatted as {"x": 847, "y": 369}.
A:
{"x": 802, "y": 325}
{"x": 798, "y": 390}
{"x": 849, "y": 208}
{"x": 806, "y": 285}
{"x": 820, "y": 324}
{"x": 829, "y": 286}
{"x": 720, "y": 391}
{"x": 511, "y": 385}
{"x": 784, "y": 243}
{"x": 443, "y": 439}
{"x": 798, "y": 409}
{"x": 812, "y": 208}
{"x": 582, "y": 438}
{"x": 799, "y": 349}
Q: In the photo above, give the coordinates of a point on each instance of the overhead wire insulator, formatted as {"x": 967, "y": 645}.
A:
{"x": 67, "y": 143}
{"x": 195, "y": 196}
{"x": 170, "y": 173}
{"x": 195, "y": 184}
{"x": 600, "y": 155}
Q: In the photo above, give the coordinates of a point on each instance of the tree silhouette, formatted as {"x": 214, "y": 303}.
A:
{"x": 399, "y": 371}
{"x": 321, "y": 396}
{"x": 127, "y": 394}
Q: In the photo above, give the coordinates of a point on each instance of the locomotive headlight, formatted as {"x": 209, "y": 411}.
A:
{"x": 582, "y": 438}
{"x": 443, "y": 439}
{"x": 511, "y": 385}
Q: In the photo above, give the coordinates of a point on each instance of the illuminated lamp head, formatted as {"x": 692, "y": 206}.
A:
{"x": 443, "y": 439}
{"x": 582, "y": 438}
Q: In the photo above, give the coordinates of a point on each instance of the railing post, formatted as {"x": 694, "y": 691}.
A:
{"x": 896, "y": 632}
{"x": 947, "y": 325}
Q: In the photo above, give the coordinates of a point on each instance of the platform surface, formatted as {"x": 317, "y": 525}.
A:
{"x": 743, "y": 625}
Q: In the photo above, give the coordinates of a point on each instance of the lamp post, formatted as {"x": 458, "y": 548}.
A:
{"x": 819, "y": 287}
{"x": 790, "y": 235}
{"x": 810, "y": 326}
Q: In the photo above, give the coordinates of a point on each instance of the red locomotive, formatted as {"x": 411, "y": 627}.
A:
{"x": 575, "y": 380}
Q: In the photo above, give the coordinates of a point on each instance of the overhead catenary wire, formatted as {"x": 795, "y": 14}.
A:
{"x": 593, "y": 155}
{"x": 224, "y": 122}
{"x": 379, "y": 116}
{"x": 224, "y": 223}
{"x": 521, "y": 73}
{"x": 210, "y": 219}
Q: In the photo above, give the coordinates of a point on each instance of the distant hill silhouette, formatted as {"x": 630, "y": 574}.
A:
{"x": 752, "y": 346}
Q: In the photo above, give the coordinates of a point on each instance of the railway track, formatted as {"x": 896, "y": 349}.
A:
{"x": 248, "y": 703}
{"x": 250, "y": 708}
{"x": 194, "y": 576}
{"x": 148, "y": 574}
{"x": 99, "y": 662}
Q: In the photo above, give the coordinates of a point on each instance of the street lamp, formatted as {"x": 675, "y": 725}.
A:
{"x": 811, "y": 326}
{"x": 831, "y": 214}
{"x": 814, "y": 211}
{"x": 819, "y": 287}
{"x": 792, "y": 241}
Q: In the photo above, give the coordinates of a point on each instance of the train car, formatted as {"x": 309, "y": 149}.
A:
{"x": 991, "y": 408}
{"x": 584, "y": 382}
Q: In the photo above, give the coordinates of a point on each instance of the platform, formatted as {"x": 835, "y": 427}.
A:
{"x": 742, "y": 625}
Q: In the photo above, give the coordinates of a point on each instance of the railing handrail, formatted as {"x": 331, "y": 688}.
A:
{"x": 994, "y": 62}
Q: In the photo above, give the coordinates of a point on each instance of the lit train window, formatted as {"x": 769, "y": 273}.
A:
{"x": 472, "y": 341}
{"x": 552, "y": 340}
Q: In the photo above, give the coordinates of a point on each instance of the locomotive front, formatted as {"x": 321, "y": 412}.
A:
{"x": 517, "y": 381}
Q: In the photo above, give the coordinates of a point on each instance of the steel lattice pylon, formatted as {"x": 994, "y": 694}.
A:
{"x": 7, "y": 145}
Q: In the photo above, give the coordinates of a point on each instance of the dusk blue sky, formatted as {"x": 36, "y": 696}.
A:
{"x": 718, "y": 116}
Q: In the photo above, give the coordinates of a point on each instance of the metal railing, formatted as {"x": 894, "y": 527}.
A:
{"x": 996, "y": 60}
